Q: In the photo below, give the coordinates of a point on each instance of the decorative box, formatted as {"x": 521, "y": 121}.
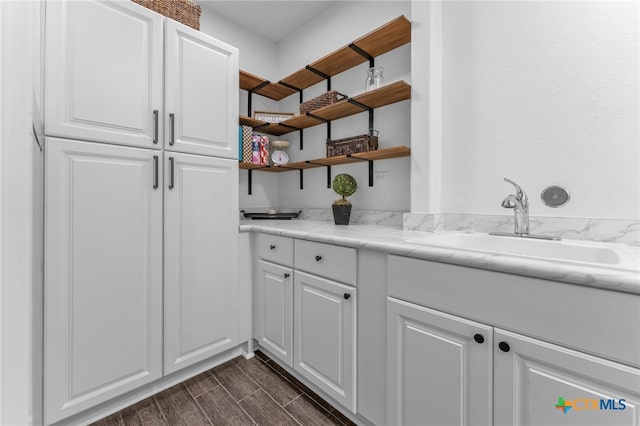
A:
{"x": 331, "y": 97}
{"x": 272, "y": 117}
{"x": 353, "y": 144}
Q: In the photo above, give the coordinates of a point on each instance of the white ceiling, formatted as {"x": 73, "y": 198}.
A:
{"x": 274, "y": 20}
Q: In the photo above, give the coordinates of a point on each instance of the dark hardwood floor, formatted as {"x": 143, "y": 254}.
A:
{"x": 238, "y": 392}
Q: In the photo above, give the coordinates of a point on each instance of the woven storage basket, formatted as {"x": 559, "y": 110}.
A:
{"x": 353, "y": 144}
{"x": 331, "y": 97}
{"x": 183, "y": 11}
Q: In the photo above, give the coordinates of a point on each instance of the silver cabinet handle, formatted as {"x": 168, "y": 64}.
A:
{"x": 171, "y": 172}
{"x": 155, "y": 172}
{"x": 172, "y": 127}
{"x": 155, "y": 126}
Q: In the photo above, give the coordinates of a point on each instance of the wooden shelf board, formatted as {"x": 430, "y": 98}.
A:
{"x": 302, "y": 79}
{"x": 276, "y": 91}
{"x": 385, "y": 153}
{"x": 337, "y": 110}
{"x": 302, "y": 121}
{"x": 249, "y": 121}
{"x": 272, "y": 129}
{"x": 341, "y": 60}
{"x": 249, "y": 81}
{"x": 273, "y": 91}
{"x": 386, "y": 95}
{"x": 380, "y": 154}
{"x": 394, "y": 92}
{"x": 389, "y": 36}
{"x": 249, "y": 166}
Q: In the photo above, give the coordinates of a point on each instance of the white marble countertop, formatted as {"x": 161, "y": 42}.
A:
{"x": 394, "y": 241}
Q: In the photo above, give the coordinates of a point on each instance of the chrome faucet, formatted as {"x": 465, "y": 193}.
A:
{"x": 520, "y": 205}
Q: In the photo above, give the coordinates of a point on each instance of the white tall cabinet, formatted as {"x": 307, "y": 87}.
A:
{"x": 199, "y": 67}
{"x": 103, "y": 289}
{"x": 141, "y": 224}
{"x": 200, "y": 266}
{"x": 104, "y": 71}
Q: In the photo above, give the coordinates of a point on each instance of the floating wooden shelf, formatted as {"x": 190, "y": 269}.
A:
{"x": 274, "y": 129}
{"x": 380, "y": 154}
{"x": 270, "y": 90}
{"x": 386, "y": 95}
{"x": 391, "y": 35}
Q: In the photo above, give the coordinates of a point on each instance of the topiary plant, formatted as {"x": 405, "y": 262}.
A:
{"x": 345, "y": 185}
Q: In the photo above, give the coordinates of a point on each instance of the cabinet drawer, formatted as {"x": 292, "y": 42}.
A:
{"x": 327, "y": 260}
{"x": 275, "y": 249}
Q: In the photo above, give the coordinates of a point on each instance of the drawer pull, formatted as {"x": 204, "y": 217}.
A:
{"x": 272, "y": 247}
{"x": 347, "y": 296}
{"x": 318, "y": 258}
{"x": 286, "y": 275}
{"x": 479, "y": 338}
{"x": 504, "y": 346}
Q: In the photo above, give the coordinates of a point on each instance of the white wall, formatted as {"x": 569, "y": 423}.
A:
{"x": 257, "y": 56}
{"x": 337, "y": 27}
{"x": 541, "y": 92}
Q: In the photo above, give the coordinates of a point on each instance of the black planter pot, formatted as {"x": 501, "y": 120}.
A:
{"x": 341, "y": 213}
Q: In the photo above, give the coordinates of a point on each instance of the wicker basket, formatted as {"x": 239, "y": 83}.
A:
{"x": 353, "y": 144}
{"x": 331, "y": 97}
{"x": 183, "y": 11}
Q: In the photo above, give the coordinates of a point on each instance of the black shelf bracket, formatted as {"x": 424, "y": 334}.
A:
{"x": 328, "y": 122}
{"x": 370, "y": 167}
{"x": 250, "y": 177}
{"x": 252, "y": 91}
{"x": 321, "y": 74}
{"x": 301, "y": 131}
{"x": 328, "y": 171}
{"x": 292, "y": 87}
{"x": 363, "y": 54}
{"x": 366, "y": 108}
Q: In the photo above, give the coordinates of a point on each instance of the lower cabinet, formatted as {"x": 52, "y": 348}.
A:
{"x": 443, "y": 370}
{"x": 274, "y": 310}
{"x": 538, "y": 383}
{"x": 325, "y": 335}
{"x": 200, "y": 258}
{"x": 103, "y": 273}
{"x": 439, "y": 368}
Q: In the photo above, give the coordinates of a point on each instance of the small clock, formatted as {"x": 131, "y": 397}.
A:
{"x": 279, "y": 156}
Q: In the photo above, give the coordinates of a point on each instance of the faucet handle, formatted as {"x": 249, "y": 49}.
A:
{"x": 519, "y": 191}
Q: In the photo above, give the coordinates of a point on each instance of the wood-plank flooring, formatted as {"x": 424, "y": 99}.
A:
{"x": 239, "y": 392}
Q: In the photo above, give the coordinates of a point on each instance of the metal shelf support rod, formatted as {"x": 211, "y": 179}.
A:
{"x": 321, "y": 74}
{"x": 252, "y": 91}
{"x": 328, "y": 122}
{"x": 292, "y": 87}
{"x": 370, "y": 167}
{"x": 366, "y": 108}
{"x": 328, "y": 171}
{"x": 363, "y": 54}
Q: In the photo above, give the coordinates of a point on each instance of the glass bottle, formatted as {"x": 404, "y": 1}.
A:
{"x": 374, "y": 80}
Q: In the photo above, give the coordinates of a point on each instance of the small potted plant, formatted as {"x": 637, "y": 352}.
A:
{"x": 344, "y": 185}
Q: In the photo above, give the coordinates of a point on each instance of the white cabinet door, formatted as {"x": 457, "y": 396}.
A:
{"x": 439, "y": 368}
{"x": 274, "y": 310}
{"x": 537, "y": 383}
{"x": 201, "y": 258}
{"x": 325, "y": 335}
{"x": 103, "y": 78}
{"x": 202, "y": 93}
{"x": 103, "y": 273}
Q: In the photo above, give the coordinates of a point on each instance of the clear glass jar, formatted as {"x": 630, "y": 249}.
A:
{"x": 375, "y": 79}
